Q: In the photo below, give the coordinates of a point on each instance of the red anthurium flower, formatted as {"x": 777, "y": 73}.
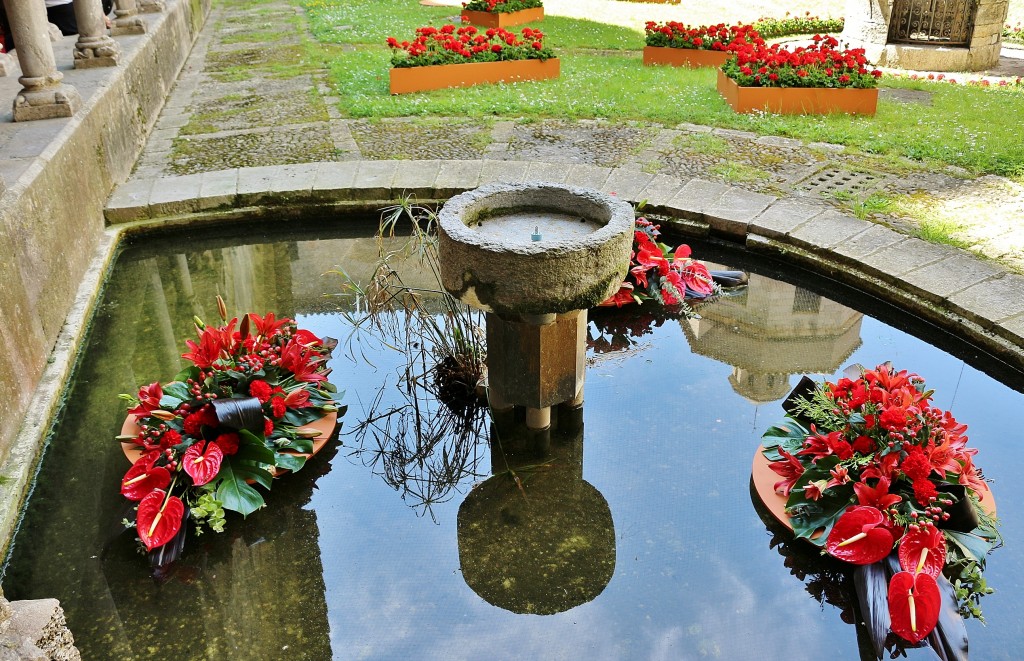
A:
{"x": 306, "y": 338}
{"x": 143, "y": 477}
{"x": 923, "y": 551}
{"x": 622, "y": 297}
{"x": 914, "y": 602}
{"x": 159, "y": 518}
{"x": 860, "y": 536}
{"x": 201, "y": 464}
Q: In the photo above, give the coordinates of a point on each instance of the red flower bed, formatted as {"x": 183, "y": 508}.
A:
{"x": 501, "y": 6}
{"x": 460, "y": 45}
{"x": 703, "y": 37}
{"x": 819, "y": 65}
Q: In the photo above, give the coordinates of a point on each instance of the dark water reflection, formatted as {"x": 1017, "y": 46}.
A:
{"x": 340, "y": 565}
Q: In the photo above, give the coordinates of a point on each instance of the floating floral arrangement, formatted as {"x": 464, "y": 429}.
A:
{"x": 460, "y": 45}
{"x": 820, "y": 65}
{"x": 869, "y": 468}
{"x": 225, "y": 425}
{"x": 672, "y": 34}
{"x": 501, "y": 6}
{"x": 657, "y": 273}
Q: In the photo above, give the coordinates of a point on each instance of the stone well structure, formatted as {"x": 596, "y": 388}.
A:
{"x": 927, "y": 35}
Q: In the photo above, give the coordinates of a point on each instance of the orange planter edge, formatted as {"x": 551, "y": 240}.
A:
{"x": 764, "y": 483}
{"x": 493, "y": 19}
{"x": 422, "y": 79}
{"x": 323, "y": 426}
{"x": 798, "y": 100}
{"x": 683, "y": 57}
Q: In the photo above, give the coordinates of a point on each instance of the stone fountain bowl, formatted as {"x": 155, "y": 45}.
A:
{"x": 490, "y": 260}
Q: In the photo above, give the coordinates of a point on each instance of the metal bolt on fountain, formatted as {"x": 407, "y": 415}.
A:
{"x": 535, "y": 257}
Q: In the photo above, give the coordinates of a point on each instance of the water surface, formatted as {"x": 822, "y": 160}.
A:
{"x": 347, "y": 562}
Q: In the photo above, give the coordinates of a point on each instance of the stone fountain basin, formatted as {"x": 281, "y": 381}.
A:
{"x": 490, "y": 261}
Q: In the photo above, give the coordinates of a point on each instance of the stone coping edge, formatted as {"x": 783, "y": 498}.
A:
{"x": 22, "y": 463}
{"x": 944, "y": 285}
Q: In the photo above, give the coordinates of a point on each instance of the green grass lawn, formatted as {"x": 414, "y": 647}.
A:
{"x": 602, "y": 77}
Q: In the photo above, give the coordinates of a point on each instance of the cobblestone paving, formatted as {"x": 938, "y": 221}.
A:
{"x": 588, "y": 142}
{"x": 420, "y": 139}
{"x": 238, "y": 104}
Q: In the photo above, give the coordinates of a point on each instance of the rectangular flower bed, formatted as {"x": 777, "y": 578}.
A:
{"x": 489, "y": 19}
{"x": 798, "y": 100}
{"x": 422, "y": 79}
{"x": 683, "y": 57}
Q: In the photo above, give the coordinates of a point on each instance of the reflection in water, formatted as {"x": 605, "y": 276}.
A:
{"x": 536, "y": 537}
{"x": 771, "y": 330}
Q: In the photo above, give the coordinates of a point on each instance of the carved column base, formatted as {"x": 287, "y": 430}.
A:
{"x": 150, "y": 6}
{"x": 61, "y": 100}
{"x": 96, "y": 52}
{"x": 127, "y": 25}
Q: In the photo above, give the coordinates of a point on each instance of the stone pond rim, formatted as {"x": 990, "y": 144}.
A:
{"x": 510, "y": 277}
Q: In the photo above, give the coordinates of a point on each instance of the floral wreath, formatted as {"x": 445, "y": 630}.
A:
{"x": 228, "y": 423}
{"x": 869, "y": 466}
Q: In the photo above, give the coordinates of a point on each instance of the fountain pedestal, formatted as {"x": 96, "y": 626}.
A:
{"x": 534, "y": 257}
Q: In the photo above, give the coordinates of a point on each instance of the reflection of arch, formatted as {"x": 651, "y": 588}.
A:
{"x": 772, "y": 330}
{"x": 536, "y": 537}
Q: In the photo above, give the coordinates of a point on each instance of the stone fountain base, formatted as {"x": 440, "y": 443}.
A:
{"x": 35, "y": 629}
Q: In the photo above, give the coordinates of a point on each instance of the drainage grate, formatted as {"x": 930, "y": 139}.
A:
{"x": 841, "y": 181}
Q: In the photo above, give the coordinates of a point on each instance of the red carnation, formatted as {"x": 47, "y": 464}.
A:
{"x": 278, "y": 407}
{"x": 260, "y": 390}
{"x": 228, "y": 443}
{"x": 268, "y": 427}
{"x": 924, "y": 491}
{"x": 169, "y": 439}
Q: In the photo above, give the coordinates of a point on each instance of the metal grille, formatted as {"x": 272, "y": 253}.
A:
{"x": 946, "y": 22}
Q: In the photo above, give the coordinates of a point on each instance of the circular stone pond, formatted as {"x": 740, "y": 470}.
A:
{"x": 370, "y": 552}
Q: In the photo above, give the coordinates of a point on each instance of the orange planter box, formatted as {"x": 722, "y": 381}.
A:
{"x": 422, "y": 79}
{"x": 798, "y": 100}
{"x": 683, "y": 57}
{"x": 493, "y": 19}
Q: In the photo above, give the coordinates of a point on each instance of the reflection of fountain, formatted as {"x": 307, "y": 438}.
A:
{"x": 535, "y": 537}
{"x": 770, "y": 331}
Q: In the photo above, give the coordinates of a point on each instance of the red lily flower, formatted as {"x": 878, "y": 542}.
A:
{"x": 267, "y": 326}
{"x": 297, "y": 399}
{"x": 143, "y": 477}
{"x": 206, "y": 352}
{"x": 202, "y": 464}
{"x": 298, "y": 359}
{"x": 149, "y": 399}
{"x": 877, "y": 496}
{"x": 914, "y": 603}
{"x": 159, "y": 518}
{"x": 923, "y": 551}
{"x": 860, "y": 536}
{"x": 790, "y": 469}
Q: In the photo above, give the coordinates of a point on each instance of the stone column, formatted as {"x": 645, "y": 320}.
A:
{"x": 43, "y": 95}
{"x": 127, "y": 19}
{"x": 94, "y": 48}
